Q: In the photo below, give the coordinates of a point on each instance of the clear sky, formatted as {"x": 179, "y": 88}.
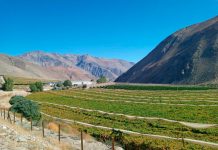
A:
{"x": 126, "y": 29}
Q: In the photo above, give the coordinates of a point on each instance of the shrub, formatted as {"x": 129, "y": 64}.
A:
{"x": 84, "y": 86}
{"x": 67, "y": 83}
{"x": 16, "y": 99}
{"x": 39, "y": 86}
{"x": 102, "y": 80}
{"x": 29, "y": 109}
{"x": 33, "y": 88}
{"x": 8, "y": 85}
{"x": 36, "y": 87}
{"x": 59, "y": 84}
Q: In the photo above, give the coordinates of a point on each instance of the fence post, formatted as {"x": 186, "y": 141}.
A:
{"x": 81, "y": 140}
{"x": 113, "y": 143}
{"x": 14, "y": 117}
{"x": 1, "y": 112}
{"x": 31, "y": 124}
{"x": 9, "y": 116}
{"x": 43, "y": 131}
{"x": 4, "y": 113}
{"x": 59, "y": 133}
{"x": 21, "y": 119}
{"x": 183, "y": 142}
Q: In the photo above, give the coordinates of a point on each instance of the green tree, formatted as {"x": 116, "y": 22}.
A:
{"x": 16, "y": 99}
{"x": 33, "y": 88}
{"x": 102, "y": 79}
{"x": 67, "y": 83}
{"x": 29, "y": 109}
{"x": 59, "y": 84}
{"x": 8, "y": 85}
{"x": 39, "y": 86}
{"x": 36, "y": 87}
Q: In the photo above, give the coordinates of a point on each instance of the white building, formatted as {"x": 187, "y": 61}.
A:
{"x": 81, "y": 83}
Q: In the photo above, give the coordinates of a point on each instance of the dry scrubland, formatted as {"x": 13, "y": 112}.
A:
{"x": 141, "y": 110}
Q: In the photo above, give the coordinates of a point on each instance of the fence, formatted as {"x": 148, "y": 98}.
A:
{"x": 6, "y": 114}
{"x": 13, "y": 117}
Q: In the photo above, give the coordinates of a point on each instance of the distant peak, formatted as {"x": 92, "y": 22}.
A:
{"x": 34, "y": 52}
{"x": 37, "y": 51}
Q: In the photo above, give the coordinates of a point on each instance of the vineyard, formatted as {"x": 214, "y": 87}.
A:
{"x": 174, "y": 113}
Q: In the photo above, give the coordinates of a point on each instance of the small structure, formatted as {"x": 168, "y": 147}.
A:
{"x": 51, "y": 84}
{"x": 2, "y": 80}
{"x": 82, "y": 83}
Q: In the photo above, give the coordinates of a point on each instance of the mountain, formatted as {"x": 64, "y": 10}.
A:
{"x": 188, "y": 56}
{"x": 87, "y": 65}
{"x": 13, "y": 66}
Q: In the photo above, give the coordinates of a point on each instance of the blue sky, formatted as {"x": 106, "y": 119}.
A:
{"x": 126, "y": 29}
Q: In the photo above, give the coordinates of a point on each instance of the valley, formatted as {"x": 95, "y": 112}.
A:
{"x": 165, "y": 113}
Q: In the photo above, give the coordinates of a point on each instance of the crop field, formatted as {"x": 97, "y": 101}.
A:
{"x": 159, "y": 112}
{"x": 27, "y": 81}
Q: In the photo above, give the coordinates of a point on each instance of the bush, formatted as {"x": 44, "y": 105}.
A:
{"x": 33, "y": 88}
{"x": 8, "y": 85}
{"x": 102, "y": 80}
{"x": 29, "y": 109}
{"x": 59, "y": 84}
{"x": 16, "y": 99}
{"x": 84, "y": 86}
{"x": 67, "y": 83}
{"x": 36, "y": 87}
{"x": 39, "y": 86}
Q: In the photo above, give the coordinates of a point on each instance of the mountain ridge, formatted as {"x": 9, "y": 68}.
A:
{"x": 95, "y": 66}
{"x": 183, "y": 57}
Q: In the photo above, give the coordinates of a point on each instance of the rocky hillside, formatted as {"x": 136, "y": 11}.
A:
{"x": 17, "y": 67}
{"x": 96, "y": 67}
{"x": 188, "y": 56}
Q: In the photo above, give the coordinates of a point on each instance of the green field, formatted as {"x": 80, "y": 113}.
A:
{"x": 197, "y": 106}
{"x": 157, "y": 87}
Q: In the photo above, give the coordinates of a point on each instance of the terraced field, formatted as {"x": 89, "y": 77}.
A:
{"x": 188, "y": 114}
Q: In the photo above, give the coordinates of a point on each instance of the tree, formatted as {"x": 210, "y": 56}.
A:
{"x": 16, "y": 99}
{"x": 39, "y": 86}
{"x": 8, "y": 85}
{"x": 29, "y": 109}
{"x": 36, "y": 87}
{"x": 59, "y": 84}
{"x": 67, "y": 83}
{"x": 33, "y": 88}
{"x": 102, "y": 79}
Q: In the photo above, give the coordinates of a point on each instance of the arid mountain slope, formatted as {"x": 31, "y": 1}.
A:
{"x": 111, "y": 68}
{"x": 13, "y": 66}
{"x": 188, "y": 56}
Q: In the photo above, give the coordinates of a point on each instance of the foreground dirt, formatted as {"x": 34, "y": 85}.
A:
{"x": 14, "y": 137}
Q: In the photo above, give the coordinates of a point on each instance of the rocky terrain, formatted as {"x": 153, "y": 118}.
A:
{"x": 40, "y": 65}
{"x": 93, "y": 67}
{"x": 10, "y": 139}
{"x": 189, "y": 56}
{"x": 17, "y": 67}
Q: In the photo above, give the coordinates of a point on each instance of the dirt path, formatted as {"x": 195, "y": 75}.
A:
{"x": 204, "y": 143}
{"x": 5, "y": 96}
{"x": 189, "y": 124}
